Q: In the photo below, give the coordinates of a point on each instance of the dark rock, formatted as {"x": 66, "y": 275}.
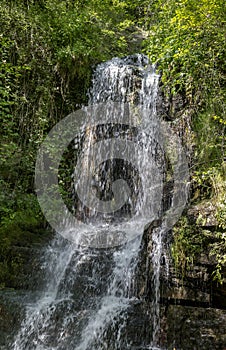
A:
{"x": 11, "y": 315}
{"x": 192, "y": 328}
{"x": 203, "y": 214}
{"x": 143, "y": 270}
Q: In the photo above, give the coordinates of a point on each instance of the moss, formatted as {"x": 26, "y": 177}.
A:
{"x": 196, "y": 236}
{"x": 187, "y": 245}
{"x": 22, "y": 226}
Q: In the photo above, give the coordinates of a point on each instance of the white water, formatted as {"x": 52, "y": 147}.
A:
{"x": 89, "y": 291}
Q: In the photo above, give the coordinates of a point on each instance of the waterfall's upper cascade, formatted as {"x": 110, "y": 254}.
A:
{"x": 89, "y": 302}
{"x": 122, "y": 170}
{"x": 120, "y": 80}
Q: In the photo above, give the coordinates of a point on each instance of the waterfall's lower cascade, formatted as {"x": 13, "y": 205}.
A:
{"x": 91, "y": 300}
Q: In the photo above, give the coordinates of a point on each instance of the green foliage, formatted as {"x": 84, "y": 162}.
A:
{"x": 21, "y": 226}
{"x": 218, "y": 250}
{"x": 208, "y": 183}
{"x": 48, "y": 49}
{"x": 187, "y": 41}
{"x": 188, "y": 244}
{"x": 192, "y": 239}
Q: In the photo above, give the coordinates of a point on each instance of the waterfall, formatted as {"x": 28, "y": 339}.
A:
{"x": 89, "y": 294}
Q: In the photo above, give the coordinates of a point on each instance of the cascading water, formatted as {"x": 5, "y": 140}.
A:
{"x": 89, "y": 294}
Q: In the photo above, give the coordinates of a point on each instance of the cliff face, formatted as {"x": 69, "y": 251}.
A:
{"x": 189, "y": 328}
{"x": 192, "y": 312}
{"x": 196, "y": 244}
{"x": 193, "y": 307}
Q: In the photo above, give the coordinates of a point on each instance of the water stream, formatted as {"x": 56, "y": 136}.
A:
{"x": 89, "y": 297}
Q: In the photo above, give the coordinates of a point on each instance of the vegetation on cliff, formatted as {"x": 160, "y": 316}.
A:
{"x": 187, "y": 40}
{"x": 48, "y": 49}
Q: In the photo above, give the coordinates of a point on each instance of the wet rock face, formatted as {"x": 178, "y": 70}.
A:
{"x": 143, "y": 284}
{"x": 172, "y": 107}
{"x": 195, "y": 287}
{"x": 190, "y": 328}
{"x": 30, "y": 274}
{"x": 203, "y": 214}
{"x": 11, "y": 315}
{"x": 193, "y": 309}
{"x": 131, "y": 331}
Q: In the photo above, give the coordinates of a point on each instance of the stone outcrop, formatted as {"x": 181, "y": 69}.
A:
{"x": 192, "y": 328}
{"x": 11, "y": 315}
{"x": 193, "y": 307}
